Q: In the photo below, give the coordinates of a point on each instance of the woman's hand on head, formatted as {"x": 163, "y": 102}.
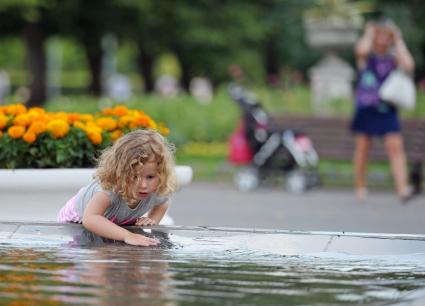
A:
{"x": 370, "y": 28}
{"x": 396, "y": 33}
{"x": 137, "y": 239}
{"x": 143, "y": 221}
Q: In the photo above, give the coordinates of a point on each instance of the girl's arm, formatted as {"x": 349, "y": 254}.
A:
{"x": 157, "y": 212}
{"x": 364, "y": 45}
{"x": 94, "y": 221}
{"x": 402, "y": 54}
{"x": 154, "y": 215}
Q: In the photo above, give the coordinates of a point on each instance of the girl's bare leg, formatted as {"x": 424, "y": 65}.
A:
{"x": 397, "y": 157}
{"x": 361, "y": 153}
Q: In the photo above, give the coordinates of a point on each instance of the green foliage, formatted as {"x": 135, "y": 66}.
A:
{"x": 12, "y": 53}
{"x": 260, "y": 36}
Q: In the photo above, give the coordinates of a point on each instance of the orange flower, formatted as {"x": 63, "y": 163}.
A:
{"x": 15, "y": 109}
{"x": 38, "y": 127}
{"x": 93, "y": 127}
{"x": 38, "y": 116}
{"x": 163, "y": 129}
{"x": 36, "y": 109}
{"x": 120, "y": 110}
{"x": 22, "y": 119}
{"x": 72, "y": 117}
{"x": 108, "y": 111}
{"x": 60, "y": 115}
{"x": 36, "y": 113}
{"x": 152, "y": 124}
{"x": 16, "y": 131}
{"x": 116, "y": 134}
{"x": 139, "y": 121}
{"x": 58, "y": 128}
{"x": 3, "y": 121}
{"x": 30, "y": 137}
{"x": 94, "y": 136}
{"x": 79, "y": 125}
{"x": 86, "y": 117}
{"x": 106, "y": 123}
{"x": 124, "y": 121}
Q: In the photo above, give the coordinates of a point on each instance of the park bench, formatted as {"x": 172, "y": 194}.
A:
{"x": 333, "y": 140}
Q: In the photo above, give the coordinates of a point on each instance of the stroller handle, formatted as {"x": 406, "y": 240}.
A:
{"x": 236, "y": 91}
{"x": 241, "y": 95}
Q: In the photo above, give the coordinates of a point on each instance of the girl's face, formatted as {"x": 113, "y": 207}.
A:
{"x": 383, "y": 39}
{"x": 145, "y": 181}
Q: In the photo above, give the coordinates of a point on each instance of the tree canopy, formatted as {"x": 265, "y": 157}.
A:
{"x": 206, "y": 36}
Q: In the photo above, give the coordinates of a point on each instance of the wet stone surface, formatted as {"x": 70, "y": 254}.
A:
{"x": 49, "y": 263}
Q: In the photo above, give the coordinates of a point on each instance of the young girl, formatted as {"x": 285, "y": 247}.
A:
{"x": 134, "y": 176}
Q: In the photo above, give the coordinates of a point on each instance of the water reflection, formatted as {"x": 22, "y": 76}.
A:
{"x": 208, "y": 269}
{"x": 123, "y": 273}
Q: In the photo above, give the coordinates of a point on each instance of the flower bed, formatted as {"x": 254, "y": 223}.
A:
{"x": 35, "y": 138}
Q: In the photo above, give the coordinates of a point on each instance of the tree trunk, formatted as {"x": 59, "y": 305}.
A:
{"x": 94, "y": 59}
{"x": 271, "y": 63}
{"x": 145, "y": 62}
{"x": 34, "y": 40}
{"x": 185, "y": 67}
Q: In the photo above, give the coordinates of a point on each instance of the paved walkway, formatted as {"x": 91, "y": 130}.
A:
{"x": 219, "y": 204}
{"x": 324, "y": 210}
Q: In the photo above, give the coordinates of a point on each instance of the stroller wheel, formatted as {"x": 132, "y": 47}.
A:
{"x": 313, "y": 179}
{"x": 246, "y": 179}
{"x": 296, "y": 182}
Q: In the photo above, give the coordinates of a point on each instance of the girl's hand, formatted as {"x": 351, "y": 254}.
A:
{"x": 141, "y": 221}
{"x": 396, "y": 33}
{"x": 137, "y": 239}
{"x": 370, "y": 29}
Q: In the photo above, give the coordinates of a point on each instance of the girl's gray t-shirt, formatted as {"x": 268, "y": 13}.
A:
{"x": 118, "y": 212}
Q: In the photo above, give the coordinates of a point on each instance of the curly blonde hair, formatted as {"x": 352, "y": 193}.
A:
{"x": 117, "y": 164}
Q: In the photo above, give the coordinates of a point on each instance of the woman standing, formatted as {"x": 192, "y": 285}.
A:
{"x": 379, "y": 51}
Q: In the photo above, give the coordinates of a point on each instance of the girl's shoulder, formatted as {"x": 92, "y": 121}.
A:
{"x": 96, "y": 186}
{"x": 160, "y": 199}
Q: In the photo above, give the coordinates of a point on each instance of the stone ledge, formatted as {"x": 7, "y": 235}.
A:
{"x": 284, "y": 242}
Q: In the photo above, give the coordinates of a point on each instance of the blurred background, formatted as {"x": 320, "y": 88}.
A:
{"x": 174, "y": 60}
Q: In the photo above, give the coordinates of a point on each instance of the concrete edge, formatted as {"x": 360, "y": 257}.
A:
{"x": 165, "y": 228}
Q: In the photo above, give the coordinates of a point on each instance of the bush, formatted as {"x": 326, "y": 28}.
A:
{"x": 35, "y": 138}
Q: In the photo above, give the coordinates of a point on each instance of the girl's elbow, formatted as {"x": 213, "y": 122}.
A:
{"x": 87, "y": 221}
{"x": 411, "y": 66}
{"x": 408, "y": 67}
{"x": 407, "y": 63}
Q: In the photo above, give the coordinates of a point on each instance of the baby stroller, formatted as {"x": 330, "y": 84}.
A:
{"x": 266, "y": 151}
